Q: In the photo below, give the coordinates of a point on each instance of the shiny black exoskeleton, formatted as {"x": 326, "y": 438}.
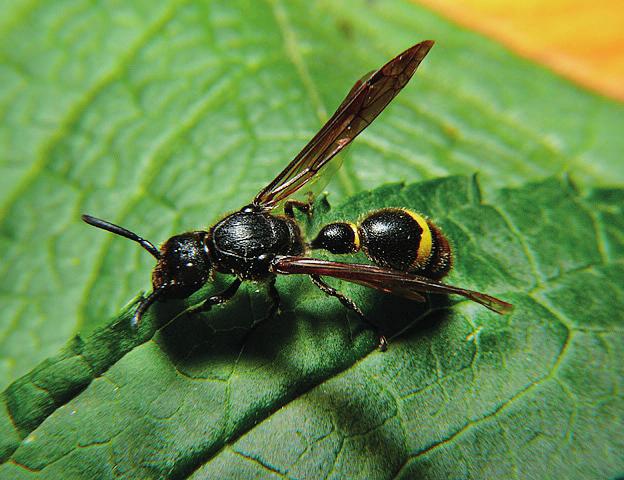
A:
{"x": 395, "y": 238}
{"x": 245, "y": 242}
{"x": 183, "y": 265}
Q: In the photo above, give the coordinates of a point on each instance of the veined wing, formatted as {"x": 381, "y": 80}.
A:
{"x": 403, "y": 284}
{"x": 368, "y": 97}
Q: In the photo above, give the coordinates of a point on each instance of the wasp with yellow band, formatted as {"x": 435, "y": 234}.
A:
{"x": 256, "y": 243}
{"x": 395, "y": 238}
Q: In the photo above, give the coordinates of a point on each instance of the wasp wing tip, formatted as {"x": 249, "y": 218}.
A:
{"x": 507, "y": 310}
{"x": 495, "y": 304}
{"x": 425, "y": 45}
{"x": 501, "y": 307}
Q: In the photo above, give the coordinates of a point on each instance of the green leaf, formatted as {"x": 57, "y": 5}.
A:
{"x": 163, "y": 115}
{"x": 461, "y": 392}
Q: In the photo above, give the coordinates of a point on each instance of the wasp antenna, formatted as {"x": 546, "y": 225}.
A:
{"x": 144, "y": 305}
{"x": 117, "y": 230}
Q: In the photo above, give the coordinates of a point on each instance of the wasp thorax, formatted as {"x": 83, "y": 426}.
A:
{"x": 183, "y": 266}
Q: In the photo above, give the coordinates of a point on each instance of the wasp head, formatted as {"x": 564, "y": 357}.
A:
{"x": 183, "y": 263}
{"x": 183, "y": 266}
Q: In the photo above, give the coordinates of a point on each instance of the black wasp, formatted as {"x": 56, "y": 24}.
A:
{"x": 410, "y": 252}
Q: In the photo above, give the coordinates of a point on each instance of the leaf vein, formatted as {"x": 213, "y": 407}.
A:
{"x": 80, "y": 107}
{"x": 265, "y": 465}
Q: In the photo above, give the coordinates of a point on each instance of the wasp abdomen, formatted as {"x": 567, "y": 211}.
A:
{"x": 441, "y": 259}
{"x": 396, "y": 238}
{"x": 340, "y": 237}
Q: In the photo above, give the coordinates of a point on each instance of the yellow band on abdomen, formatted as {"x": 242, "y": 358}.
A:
{"x": 356, "y": 236}
{"x": 426, "y": 240}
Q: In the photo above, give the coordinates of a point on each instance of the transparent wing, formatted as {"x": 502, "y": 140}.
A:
{"x": 398, "y": 283}
{"x": 368, "y": 97}
{"x": 319, "y": 180}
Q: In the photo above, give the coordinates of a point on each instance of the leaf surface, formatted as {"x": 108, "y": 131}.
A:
{"x": 163, "y": 115}
{"x": 460, "y": 392}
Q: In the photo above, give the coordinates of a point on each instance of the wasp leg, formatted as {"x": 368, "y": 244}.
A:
{"x": 220, "y": 297}
{"x": 350, "y": 304}
{"x": 275, "y": 298}
{"x": 144, "y": 305}
{"x": 290, "y": 205}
